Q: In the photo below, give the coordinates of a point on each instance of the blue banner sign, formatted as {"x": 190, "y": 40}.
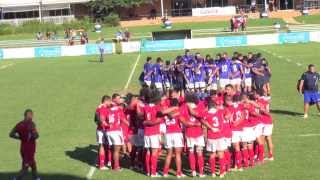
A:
{"x": 47, "y": 51}
{"x": 231, "y": 41}
{"x": 294, "y": 37}
{"x": 1, "y": 54}
{"x": 162, "y": 45}
{"x": 94, "y": 48}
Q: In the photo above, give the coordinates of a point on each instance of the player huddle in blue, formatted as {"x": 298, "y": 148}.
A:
{"x": 195, "y": 73}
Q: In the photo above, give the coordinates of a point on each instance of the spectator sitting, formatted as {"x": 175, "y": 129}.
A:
{"x": 166, "y": 22}
{"x": 119, "y": 35}
{"x": 54, "y": 35}
{"x": 39, "y": 36}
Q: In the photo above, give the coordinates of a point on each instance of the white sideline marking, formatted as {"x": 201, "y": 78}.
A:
{"x": 91, "y": 172}
{"x": 280, "y": 57}
{"x": 298, "y": 64}
{"x": 308, "y": 135}
{"x": 132, "y": 72}
{"x": 289, "y": 60}
{"x": 6, "y": 66}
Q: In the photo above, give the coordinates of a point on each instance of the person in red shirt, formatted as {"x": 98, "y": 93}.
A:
{"x": 249, "y": 136}
{"x": 100, "y": 119}
{"x": 236, "y": 111}
{"x": 151, "y": 114}
{"x": 173, "y": 139}
{"x": 190, "y": 118}
{"x": 132, "y": 117}
{"x": 115, "y": 117}
{"x": 213, "y": 120}
{"x": 26, "y": 132}
{"x": 266, "y": 118}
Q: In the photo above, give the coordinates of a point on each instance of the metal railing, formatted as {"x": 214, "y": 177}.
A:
{"x": 53, "y": 19}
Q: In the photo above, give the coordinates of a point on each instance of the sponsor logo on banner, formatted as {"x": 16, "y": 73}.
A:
{"x": 1, "y": 54}
{"x": 294, "y": 37}
{"x": 217, "y": 11}
{"x": 162, "y": 45}
{"x": 47, "y": 51}
{"x": 231, "y": 41}
{"x": 94, "y": 49}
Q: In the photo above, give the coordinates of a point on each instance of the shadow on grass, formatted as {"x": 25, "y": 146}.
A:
{"x": 10, "y": 175}
{"x": 87, "y": 154}
{"x": 285, "y": 112}
{"x": 94, "y": 61}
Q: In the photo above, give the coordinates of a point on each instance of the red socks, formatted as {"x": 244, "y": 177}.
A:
{"x": 222, "y": 165}
{"x": 147, "y": 162}
{"x": 261, "y": 152}
{"x": 227, "y": 156}
{"x": 200, "y": 163}
{"x": 245, "y": 157}
{"x": 101, "y": 158}
{"x": 192, "y": 161}
{"x": 212, "y": 162}
{"x": 238, "y": 159}
{"x": 154, "y": 164}
{"x": 251, "y": 157}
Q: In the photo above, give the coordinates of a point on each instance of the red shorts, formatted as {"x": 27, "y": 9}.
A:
{"x": 28, "y": 159}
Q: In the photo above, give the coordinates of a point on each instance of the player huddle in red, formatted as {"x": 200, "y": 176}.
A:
{"x": 226, "y": 128}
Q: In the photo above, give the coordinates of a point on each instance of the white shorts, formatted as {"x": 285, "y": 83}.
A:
{"x": 190, "y": 85}
{"x": 267, "y": 129}
{"x": 248, "y": 82}
{"x": 167, "y": 84}
{"x": 158, "y": 85}
{"x": 258, "y": 130}
{"x": 173, "y": 140}
{"x": 152, "y": 141}
{"x": 214, "y": 145}
{"x": 248, "y": 134}
{"x": 101, "y": 137}
{"x": 213, "y": 86}
{"x": 148, "y": 83}
{"x": 115, "y": 138}
{"x": 236, "y": 81}
{"x": 236, "y": 136}
{"x": 163, "y": 128}
{"x": 227, "y": 142}
{"x": 224, "y": 82}
{"x": 200, "y": 84}
{"x": 198, "y": 141}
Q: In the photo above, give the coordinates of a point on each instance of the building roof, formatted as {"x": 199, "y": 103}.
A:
{"x": 21, "y": 3}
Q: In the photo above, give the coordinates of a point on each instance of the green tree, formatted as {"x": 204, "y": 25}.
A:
{"x": 101, "y": 8}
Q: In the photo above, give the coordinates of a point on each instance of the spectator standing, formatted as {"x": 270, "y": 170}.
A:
{"x": 101, "y": 49}
{"x": 309, "y": 88}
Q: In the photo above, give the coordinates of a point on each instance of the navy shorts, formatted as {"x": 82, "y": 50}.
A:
{"x": 311, "y": 97}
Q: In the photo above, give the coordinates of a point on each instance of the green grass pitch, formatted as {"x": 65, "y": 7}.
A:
{"x": 63, "y": 92}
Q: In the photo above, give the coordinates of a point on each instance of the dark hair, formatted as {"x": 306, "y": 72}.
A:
{"x": 174, "y": 102}
{"x": 159, "y": 59}
{"x": 311, "y": 66}
{"x": 167, "y": 62}
{"x": 191, "y": 98}
{"x": 211, "y": 103}
{"x": 115, "y": 95}
{"x": 149, "y": 58}
{"x": 229, "y": 85}
{"x": 27, "y": 111}
{"x": 105, "y": 98}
